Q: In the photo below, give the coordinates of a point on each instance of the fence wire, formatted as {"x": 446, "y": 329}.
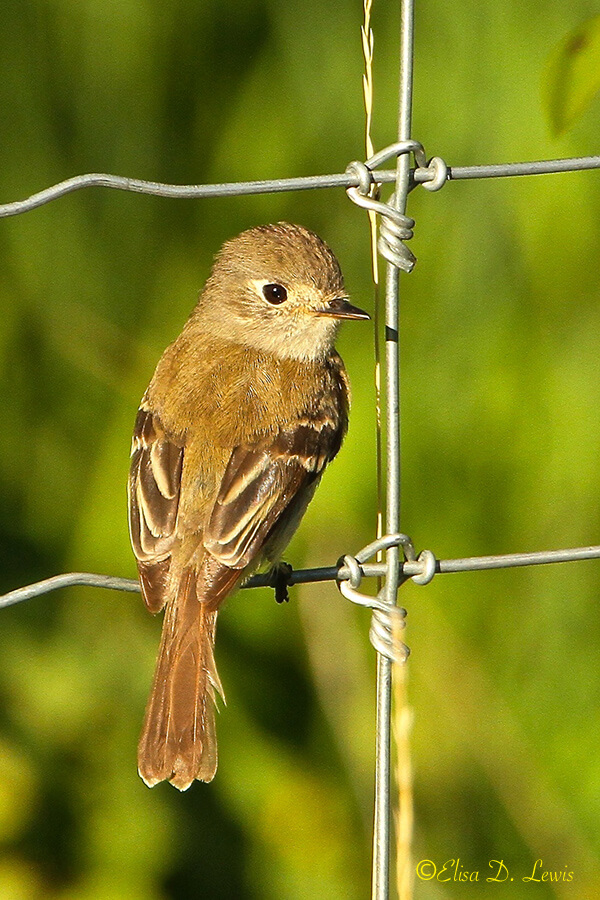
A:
{"x": 419, "y": 175}
{"x": 396, "y": 228}
{"x": 415, "y": 569}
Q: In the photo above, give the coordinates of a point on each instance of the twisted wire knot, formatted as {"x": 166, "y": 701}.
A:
{"x": 384, "y": 636}
{"x": 433, "y": 176}
{"x": 387, "y": 619}
{"x": 395, "y": 227}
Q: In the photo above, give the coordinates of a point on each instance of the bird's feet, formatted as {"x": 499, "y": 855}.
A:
{"x": 281, "y": 574}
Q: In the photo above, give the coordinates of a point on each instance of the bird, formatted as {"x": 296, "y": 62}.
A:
{"x": 243, "y": 413}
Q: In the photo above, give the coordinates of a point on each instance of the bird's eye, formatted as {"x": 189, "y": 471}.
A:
{"x": 274, "y": 293}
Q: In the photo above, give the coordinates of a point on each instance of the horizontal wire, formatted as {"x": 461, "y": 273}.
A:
{"x": 308, "y": 576}
{"x": 180, "y": 191}
{"x": 70, "y": 579}
{"x": 512, "y": 560}
{"x": 535, "y": 167}
{"x": 278, "y": 185}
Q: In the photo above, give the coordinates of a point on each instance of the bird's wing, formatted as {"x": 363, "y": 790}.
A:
{"x": 265, "y": 489}
{"x": 153, "y": 492}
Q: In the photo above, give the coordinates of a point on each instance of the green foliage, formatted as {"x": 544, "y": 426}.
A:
{"x": 500, "y": 399}
{"x": 572, "y": 79}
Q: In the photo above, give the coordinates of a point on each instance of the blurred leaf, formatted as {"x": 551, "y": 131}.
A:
{"x": 572, "y": 78}
{"x": 18, "y": 880}
{"x": 17, "y": 790}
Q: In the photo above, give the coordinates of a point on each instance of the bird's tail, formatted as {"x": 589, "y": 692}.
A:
{"x": 178, "y": 742}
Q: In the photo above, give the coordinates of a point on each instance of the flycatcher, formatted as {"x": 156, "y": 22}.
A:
{"x": 244, "y": 411}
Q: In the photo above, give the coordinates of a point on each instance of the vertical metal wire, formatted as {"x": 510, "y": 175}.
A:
{"x": 381, "y": 831}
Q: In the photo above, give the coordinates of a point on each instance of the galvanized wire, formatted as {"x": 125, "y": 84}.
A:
{"x": 419, "y": 175}
{"x": 417, "y": 569}
{"x": 382, "y": 818}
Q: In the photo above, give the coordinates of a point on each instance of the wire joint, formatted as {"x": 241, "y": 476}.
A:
{"x": 388, "y": 619}
{"x": 395, "y": 227}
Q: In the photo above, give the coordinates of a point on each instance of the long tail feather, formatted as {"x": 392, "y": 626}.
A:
{"x": 178, "y": 740}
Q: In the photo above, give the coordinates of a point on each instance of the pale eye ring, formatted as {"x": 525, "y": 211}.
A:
{"x": 274, "y": 293}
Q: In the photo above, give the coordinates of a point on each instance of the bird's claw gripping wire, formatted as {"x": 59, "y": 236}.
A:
{"x": 387, "y": 620}
{"x": 281, "y": 574}
{"x": 395, "y": 227}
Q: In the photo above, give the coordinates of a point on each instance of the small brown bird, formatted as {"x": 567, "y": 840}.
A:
{"x": 244, "y": 411}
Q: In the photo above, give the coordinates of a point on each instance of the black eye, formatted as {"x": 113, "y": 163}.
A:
{"x": 274, "y": 293}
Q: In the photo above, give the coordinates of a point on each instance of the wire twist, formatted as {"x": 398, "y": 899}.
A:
{"x": 387, "y": 619}
{"x": 395, "y": 227}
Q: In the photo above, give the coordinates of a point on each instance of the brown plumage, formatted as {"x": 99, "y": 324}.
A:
{"x": 244, "y": 411}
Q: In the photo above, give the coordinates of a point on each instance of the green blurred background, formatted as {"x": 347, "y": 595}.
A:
{"x": 501, "y": 443}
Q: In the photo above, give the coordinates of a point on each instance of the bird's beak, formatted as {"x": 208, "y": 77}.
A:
{"x": 340, "y": 308}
